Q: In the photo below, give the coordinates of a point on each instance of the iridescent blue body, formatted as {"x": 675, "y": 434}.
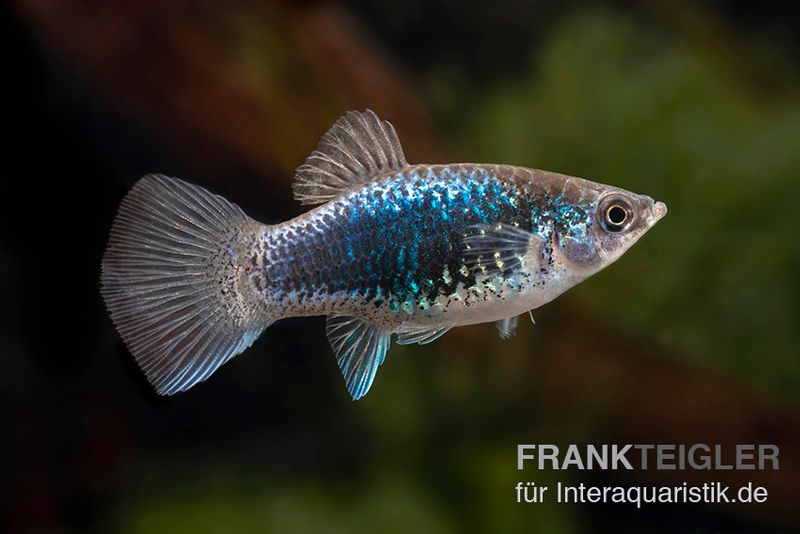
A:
{"x": 393, "y": 249}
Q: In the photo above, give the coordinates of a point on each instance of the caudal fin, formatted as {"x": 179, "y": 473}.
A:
{"x": 175, "y": 281}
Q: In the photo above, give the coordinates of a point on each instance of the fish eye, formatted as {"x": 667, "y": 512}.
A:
{"x": 616, "y": 215}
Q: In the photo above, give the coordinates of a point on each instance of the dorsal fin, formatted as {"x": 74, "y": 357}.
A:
{"x": 358, "y": 146}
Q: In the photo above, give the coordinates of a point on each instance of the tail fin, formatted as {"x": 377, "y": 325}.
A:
{"x": 175, "y": 284}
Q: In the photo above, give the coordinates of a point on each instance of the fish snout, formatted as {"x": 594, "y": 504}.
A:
{"x": 659, "y": 210}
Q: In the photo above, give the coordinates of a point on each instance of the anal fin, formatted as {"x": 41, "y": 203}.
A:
{"x": 360, "y": 348}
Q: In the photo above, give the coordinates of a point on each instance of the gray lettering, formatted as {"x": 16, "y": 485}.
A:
{"x": 595, "y": 457}
{"x": 763, "y": 456}
{"x": 705, "y": 459}
{"x": 663, "y": 453}
{"x": 521, "y": 456}
{"x": 743, "y": 453}
{"x": 644, "y": 452}
{"x": 718, "y": 459}
{"x": 618, "y": 456}
{"x": 573, "y": 457}
{"x": 548, "y": 452}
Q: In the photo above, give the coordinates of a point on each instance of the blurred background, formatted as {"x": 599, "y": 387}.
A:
{"x": 692, "y": 336}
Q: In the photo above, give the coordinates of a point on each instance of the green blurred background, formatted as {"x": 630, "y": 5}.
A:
{"x": 691, "y": 337}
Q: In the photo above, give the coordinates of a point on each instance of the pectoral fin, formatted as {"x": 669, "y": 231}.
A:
{"x": 500, "y": 249}
{"x": 360, "y": 348}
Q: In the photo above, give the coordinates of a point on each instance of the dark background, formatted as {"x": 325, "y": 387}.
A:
{"x": 691, "y": 337}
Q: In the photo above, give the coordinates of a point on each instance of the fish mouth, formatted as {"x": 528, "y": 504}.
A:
{"x": 659, "y": 210}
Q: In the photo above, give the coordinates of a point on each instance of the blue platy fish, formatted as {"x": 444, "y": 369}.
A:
{"x": 412, "y": 250}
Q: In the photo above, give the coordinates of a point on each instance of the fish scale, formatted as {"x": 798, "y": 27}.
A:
{"x": 390, "y": 249}
{"x": 374, "y": 230}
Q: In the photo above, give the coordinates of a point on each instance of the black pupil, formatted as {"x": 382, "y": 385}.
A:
{"x": 617, "y": 215}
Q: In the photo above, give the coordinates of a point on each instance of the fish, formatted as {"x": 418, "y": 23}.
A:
{"x": 388, "y": 249}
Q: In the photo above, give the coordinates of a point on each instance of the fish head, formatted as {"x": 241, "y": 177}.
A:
{"x": 597, "y": 224}
{"x": 621, "y": 219}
